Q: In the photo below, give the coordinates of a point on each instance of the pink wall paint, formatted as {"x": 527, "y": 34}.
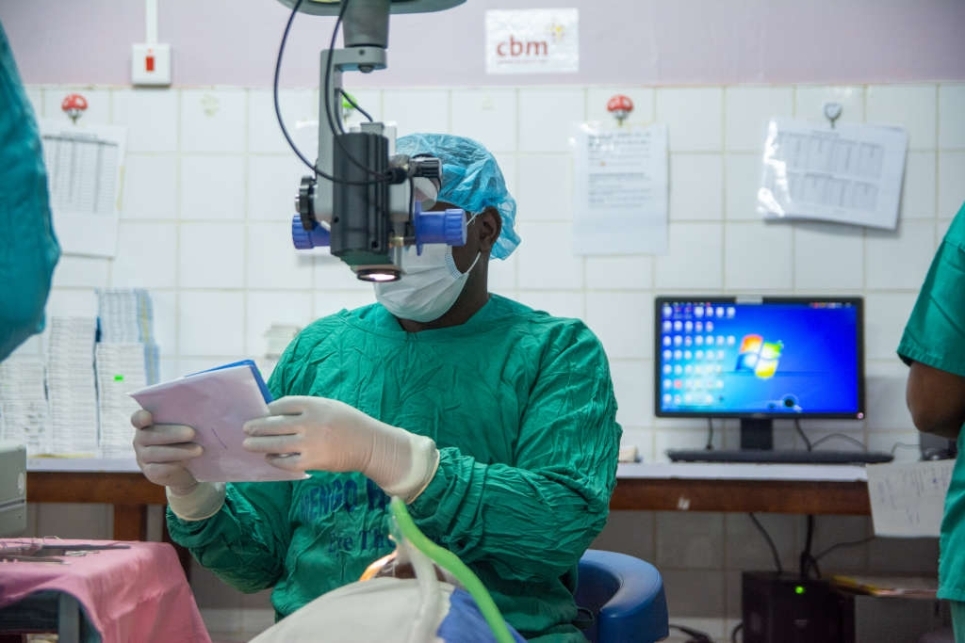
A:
{"x": 638, "y": 42}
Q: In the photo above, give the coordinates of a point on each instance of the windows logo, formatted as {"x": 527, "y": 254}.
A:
{"x": 759, "y": 357}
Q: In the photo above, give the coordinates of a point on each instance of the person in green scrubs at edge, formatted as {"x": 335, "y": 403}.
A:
{"x": 933, "y": 344}
{"x": 494, "y": 422}
{"x": 28, "y": 248}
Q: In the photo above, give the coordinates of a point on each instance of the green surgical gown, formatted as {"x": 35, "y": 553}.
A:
{"x": 935, "y": 336}
{"x": 521, "y": 407}
{"x": 28, "y": 247}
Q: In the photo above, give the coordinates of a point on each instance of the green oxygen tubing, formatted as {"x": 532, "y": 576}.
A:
{"x": 451, "y": 563}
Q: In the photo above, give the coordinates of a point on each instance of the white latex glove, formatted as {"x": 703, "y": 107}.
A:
{"x": 163, "y": 451}
{"x": 306, "y": 433}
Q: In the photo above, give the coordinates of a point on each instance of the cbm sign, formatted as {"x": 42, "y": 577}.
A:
{"x": 532, "y": 41}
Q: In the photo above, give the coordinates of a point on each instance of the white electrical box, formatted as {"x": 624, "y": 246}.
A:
{"x": 151, "y": 65}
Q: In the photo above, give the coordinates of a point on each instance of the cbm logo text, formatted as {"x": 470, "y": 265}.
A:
{"x": 518, "y": 48}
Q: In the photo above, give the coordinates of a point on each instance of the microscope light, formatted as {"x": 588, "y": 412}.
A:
{"x": 379, "y": 275}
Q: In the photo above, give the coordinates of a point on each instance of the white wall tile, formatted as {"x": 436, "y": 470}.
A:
{"x": 151, "y": 116}
{"x": 264, "y": 133}
{"x": 619, "y": 273}
{"x": 417, "y": 110}
{"x": 904, "y": 445}
{"x": 885, "y": 316}
{"x": 213, "y": 120}
{"x": 502, "y": 274}
{"x": 546, "y": 259}
{"x": 81, "y": 303}
{"x": 742, "y": 178}
{"x": 273, "y": 263}
{"x": 272, "y": 184}
{"x": 758, "y": 256}
{"x": 951, "y": 183}
{"x": 690, "y": 540}
{"x": 81, "y": 272}
{"x": 919, "y": 186}
{"x": 641, "y": 439}
{"x": 557, "y": 303}
{"x": 331, "y": 302}
{"x": 146, "y": 255}
{"x": 838, "y": 529}
{"x": 211, "y": 324}
{"x": 547, "y": 117}
{"x": 643, "y": 105}
{"x": 150, "y": 187}
{"x": 695, "y": 118}
{"x": 164, "y": 305}
{"x": 213, "y": 188}
{"x": 903, "y": 555}
{"x": 545, "y": 187}
{"x": 746, "y": 547}
{"x": 98, "y": 110}
{"x": 267, "y": 308}
{"x": 828, "y": 257}
{"x": 507, "y": 165}
{"x": 633, "y": 387}
{"x": 811, "y": 99}
{"x": 914, "y": 243}
{"x": 212, "y": 255}
{"x": 623, "y": 321}
{"x": 951, "y": 116}
{"x": 487, "y": 115}
{"x": 910, "y": 106}
{"x": 696, "y": 187}
{"x": 630, "y": 532}
{"x": 81, "y": 521}
{"x": 747, "y": 111}
{"x": 885, "y": 396}
{"x": 695, "y": 257}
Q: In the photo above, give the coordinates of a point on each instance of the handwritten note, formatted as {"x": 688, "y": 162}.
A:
{"x": 908, "y": 500}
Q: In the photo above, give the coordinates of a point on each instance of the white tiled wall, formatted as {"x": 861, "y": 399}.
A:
{"x": 208, "y": 191}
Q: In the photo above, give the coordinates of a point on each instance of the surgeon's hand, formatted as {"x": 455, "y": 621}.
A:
{"x": 163, "y": 450}
{"x": 316, "y": 433}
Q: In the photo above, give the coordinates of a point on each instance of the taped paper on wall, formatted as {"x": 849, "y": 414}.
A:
{"x": 908, "y": 500}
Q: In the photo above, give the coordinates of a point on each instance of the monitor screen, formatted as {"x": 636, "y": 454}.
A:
{"x": 766, "y": 358}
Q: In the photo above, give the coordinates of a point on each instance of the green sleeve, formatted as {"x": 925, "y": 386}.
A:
{"x": 535, "y": 519}
{"x": 28, "y": 247}
{"x": 245, "y": 543}
{"x": 935, "y": 332}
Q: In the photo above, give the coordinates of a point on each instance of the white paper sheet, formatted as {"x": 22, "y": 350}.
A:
{"x": 850, "y": 174}
{"x": 621, "y": 190}
{"x": 216, "y": 404}
{"x": 84, "y": 174}
{"x": 908, "y": 500}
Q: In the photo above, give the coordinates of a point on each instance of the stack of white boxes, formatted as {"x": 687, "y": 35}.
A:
{"x": 70, "y": 385}
{"x": 127, "y": 359}
{"x": 24, "y": 414}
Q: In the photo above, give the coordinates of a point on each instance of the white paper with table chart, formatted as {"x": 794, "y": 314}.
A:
{"x": 850, "y": 174}
{"x": 84, "y": 175}
{"x": 908, "y": 500}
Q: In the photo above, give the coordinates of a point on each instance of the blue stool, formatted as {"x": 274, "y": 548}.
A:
{"x": 625, "y": 595}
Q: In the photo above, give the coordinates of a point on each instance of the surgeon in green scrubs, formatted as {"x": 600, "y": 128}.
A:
{"x": 933, "y": 344}
{"x": 494, "y": 422}
{"x": 28, "y": 247}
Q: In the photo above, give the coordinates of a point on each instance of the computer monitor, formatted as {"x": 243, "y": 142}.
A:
{"x": 758, "y": 359}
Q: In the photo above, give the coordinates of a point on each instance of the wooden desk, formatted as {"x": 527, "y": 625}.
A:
{"x": 793, "y": 489}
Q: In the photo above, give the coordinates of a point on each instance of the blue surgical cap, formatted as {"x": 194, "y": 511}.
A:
{"x": 471, "y": 180}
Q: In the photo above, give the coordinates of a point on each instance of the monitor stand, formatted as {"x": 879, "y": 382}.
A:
{"x": 757, "y": 434}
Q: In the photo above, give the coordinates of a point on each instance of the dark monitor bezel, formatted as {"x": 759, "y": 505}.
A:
{"x": 857, "y": 302}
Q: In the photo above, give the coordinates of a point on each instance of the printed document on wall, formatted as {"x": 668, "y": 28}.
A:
{"x": 908, "y": 500}
{"x": 851, "y": 174}
{"x": 84, "y": 175}
{"x": 622, "y": 186}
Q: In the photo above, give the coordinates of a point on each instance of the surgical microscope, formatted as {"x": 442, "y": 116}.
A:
{"x": 362, "y": 199}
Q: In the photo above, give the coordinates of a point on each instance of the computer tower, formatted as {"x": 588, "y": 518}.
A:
{"x": 785, "y": 608}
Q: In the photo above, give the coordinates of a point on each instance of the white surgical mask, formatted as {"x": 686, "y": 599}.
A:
{"x": 430, "y": 286}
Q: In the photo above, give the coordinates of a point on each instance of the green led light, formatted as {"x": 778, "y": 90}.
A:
{"x": 799, "y": 589}
{"x": 118, "y": 378}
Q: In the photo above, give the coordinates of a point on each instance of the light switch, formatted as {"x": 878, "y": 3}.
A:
{"x": 151, "y": 65}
